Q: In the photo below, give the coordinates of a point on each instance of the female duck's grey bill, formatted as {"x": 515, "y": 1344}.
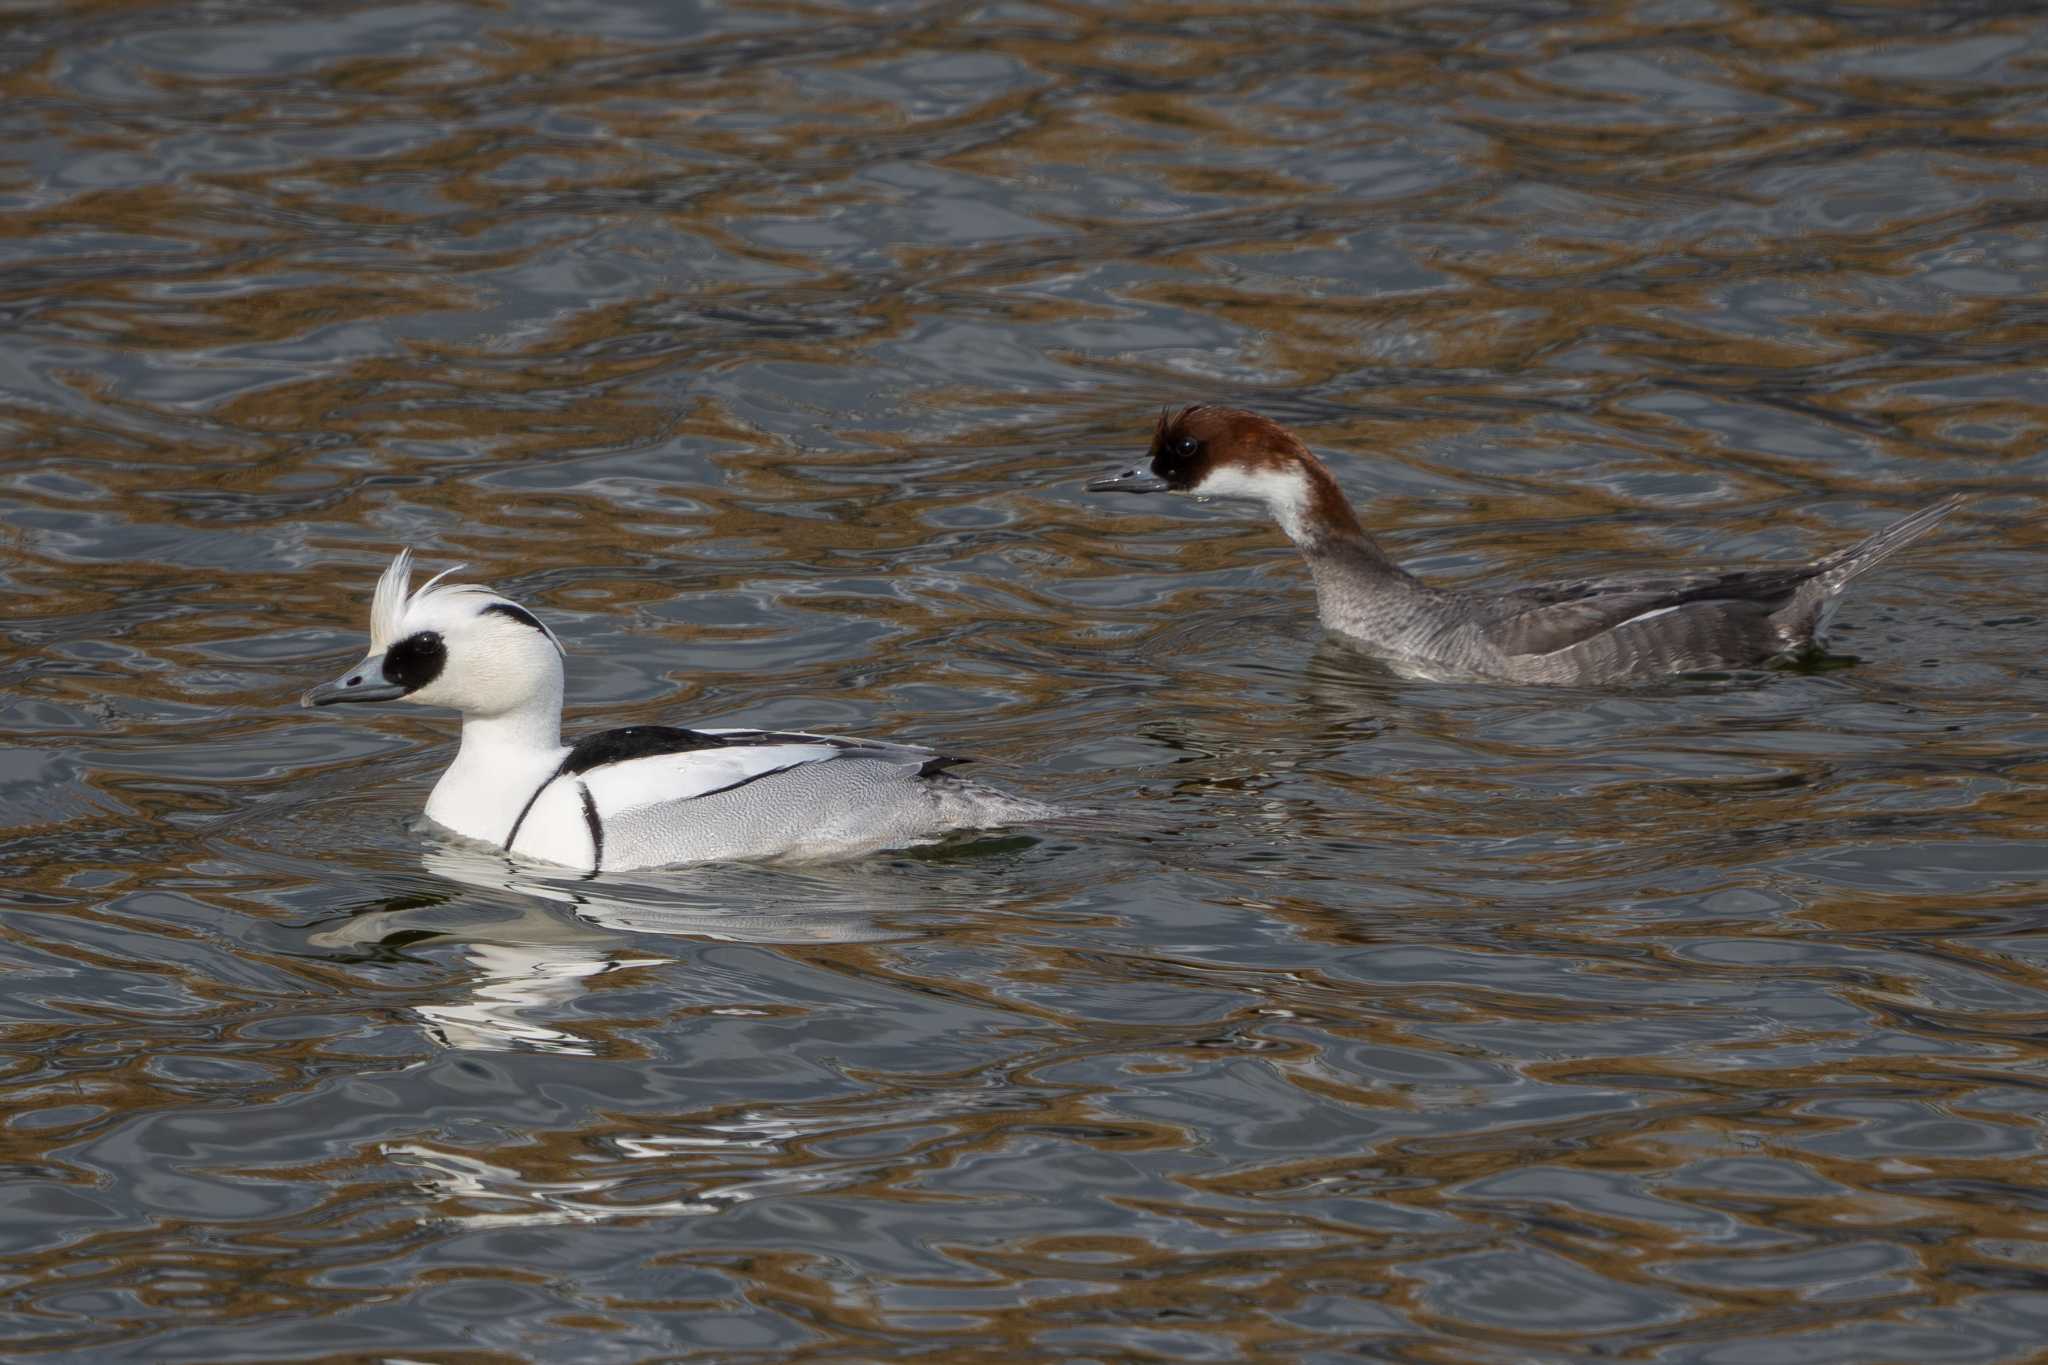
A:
{"x": 364, "y": 682}
{"x": 1130, "y": 481}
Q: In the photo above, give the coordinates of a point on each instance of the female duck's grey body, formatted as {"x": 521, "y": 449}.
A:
{"x": 645, "y": 795}
{"x": 1585, "y": 632}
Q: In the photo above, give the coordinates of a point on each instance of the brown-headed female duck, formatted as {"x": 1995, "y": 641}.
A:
{"x": 1583, "y": 632}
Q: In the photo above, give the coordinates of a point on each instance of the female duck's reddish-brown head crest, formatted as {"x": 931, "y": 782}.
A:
{"x": 1231, "y": 453}
{"x": 1189, "y": 446}
{"x": 1228, "y": 452}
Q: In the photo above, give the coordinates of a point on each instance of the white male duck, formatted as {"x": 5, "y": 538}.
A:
{"x": 645, "y": 795}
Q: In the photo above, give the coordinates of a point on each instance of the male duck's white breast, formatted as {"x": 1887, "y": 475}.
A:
{"x": 561, "y": 826}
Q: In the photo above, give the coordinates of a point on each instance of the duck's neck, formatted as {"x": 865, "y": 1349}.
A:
{"x": 1360, "y": 592}
{"x": 1318, "y": 518}
{"x": 503, "y": 760}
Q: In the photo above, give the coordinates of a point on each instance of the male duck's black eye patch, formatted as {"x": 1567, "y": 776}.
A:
{"x": 416, "y": 660}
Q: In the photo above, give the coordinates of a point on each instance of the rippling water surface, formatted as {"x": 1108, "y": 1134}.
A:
{"x": 763, "y": 349}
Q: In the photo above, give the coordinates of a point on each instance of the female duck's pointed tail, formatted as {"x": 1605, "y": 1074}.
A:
{"x": 1802, "y": 618}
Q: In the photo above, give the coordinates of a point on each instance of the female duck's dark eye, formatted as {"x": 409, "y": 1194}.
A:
{"x": 1186, "y": 446}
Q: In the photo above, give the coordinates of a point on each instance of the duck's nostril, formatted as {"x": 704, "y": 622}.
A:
{"x": 352, "y": 682}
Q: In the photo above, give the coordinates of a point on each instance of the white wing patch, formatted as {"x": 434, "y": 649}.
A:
{"x": 1610, "y": 628}
{"x": 659, "y": 779}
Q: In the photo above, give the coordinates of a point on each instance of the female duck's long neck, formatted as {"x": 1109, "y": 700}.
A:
{"x": 1360, "y": 592}
{"x": 1317, "y": 517}
{"x": 503, "y": 760}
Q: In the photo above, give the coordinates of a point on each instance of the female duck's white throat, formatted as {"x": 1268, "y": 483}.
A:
{"x": 1284, "y": 490}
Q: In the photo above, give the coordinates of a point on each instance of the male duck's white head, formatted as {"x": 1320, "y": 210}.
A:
{"x": 460, "y": 645}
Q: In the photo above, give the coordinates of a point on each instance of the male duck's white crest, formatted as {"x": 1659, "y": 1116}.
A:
{"x": 392, "y": 601}
{"x": 645, "y": 795}
{"x": 387, "y": 608}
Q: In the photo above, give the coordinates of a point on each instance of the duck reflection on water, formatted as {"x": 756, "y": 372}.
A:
{"x": 538, "y": 940}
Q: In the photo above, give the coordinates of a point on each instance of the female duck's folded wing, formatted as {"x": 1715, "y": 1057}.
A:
{"x": 1558, "y": 616}
{"x": 1553, "y": 626}
{"x": 1747, "y": 584}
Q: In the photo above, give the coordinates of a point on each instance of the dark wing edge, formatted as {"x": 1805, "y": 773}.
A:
{"x": 930, "y": 764}
{"x": 650, "y": 741}
{"x": 634, "y": 741}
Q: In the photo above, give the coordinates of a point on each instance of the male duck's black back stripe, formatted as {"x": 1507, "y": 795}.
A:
{"x": 635, "y": 741}
{"x": 596, "y": 827}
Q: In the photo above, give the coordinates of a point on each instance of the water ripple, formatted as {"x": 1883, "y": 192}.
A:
{"x": 764, "y": 350}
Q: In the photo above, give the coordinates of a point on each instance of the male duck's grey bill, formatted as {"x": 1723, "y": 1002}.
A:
{"x": 364, "y": 682}
{"x": 1130, "y": 481}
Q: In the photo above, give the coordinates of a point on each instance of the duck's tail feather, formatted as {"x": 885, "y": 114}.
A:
{"x": 1801, "y": 618}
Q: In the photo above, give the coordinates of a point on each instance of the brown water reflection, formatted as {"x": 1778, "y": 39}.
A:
{"x": 764, "y": 349}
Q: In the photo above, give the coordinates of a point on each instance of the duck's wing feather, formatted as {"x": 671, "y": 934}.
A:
{"x": 650, "y": 765}
{"x": 1747, "y": 585}
{"x": 926, "y": 761}
{"x": 1546, "y": 627}
{"x": 1554, "y": 616}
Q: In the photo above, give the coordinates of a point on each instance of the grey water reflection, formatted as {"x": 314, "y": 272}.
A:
{"x": 764, "y": 349}
{"x": 536, "y": 938}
